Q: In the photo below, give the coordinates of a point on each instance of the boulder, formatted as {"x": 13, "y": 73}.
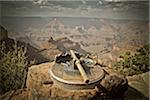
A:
{"x": 114, "y": 86}
{"x": 139, "y": 86}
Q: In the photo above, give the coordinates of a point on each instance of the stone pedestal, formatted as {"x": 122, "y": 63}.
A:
{"x": 41, "y": 87}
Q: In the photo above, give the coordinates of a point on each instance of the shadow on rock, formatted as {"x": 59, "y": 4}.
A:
{"x": 132, "y": 93}
{"x": 32, "y": 52}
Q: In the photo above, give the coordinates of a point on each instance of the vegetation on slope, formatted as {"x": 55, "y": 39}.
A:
{"x": 131, "y": 64}
{"x": 12, "y": 68}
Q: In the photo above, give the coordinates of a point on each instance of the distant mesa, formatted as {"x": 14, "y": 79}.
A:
{"x": 55, "y": 26}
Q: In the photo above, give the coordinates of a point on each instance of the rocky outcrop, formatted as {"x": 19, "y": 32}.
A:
{"x": 139, "y": 84}
{"x": 3, "y": 33}
{"x": 40, "y": 85}
{"x": 114, "y": 84}
{"x": 39, "y": 81}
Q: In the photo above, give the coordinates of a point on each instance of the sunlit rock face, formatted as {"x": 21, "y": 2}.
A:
{"x": 140, "y": 83}
{"x": 3, "y": 33}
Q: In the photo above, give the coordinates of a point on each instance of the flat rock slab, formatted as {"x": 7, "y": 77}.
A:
{"x": 140, "y": 84}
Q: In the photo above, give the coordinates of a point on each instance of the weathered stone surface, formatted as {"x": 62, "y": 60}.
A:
{"x": 114, "y": 85}
{"x": 139, "y": 83}
{"x": 38, "y": 80}
{"x": 65, "y": 94}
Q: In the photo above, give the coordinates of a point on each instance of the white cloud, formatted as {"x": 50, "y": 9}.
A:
{"x": 40, "y": 2}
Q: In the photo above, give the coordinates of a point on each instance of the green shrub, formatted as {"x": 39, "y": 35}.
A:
{"x": 12, "y": 67}
{"x": 132, "y": 64}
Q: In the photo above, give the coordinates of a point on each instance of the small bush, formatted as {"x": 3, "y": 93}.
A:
{"x": 12, "y": 67}
{"x": 134, "y": 64}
